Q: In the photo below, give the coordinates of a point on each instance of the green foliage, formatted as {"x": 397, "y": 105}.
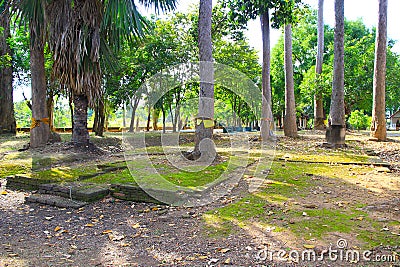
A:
{"x": 22, "y": 114}
{"x": 359, "y": 121}
{"x": 5, "y": 60}
{"x": 241, "y": 11}
{"x": 358, "y": 71}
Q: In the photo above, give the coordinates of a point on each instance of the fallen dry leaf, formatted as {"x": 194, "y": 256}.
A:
{"x": 136, "y": 225}
{"x": 224, "y": 250}
{"x": 58, "y": 228}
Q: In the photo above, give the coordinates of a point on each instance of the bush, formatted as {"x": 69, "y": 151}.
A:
{"x": 359, "y": 121}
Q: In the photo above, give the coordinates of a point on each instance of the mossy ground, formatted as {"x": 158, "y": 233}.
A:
{"x": 300, "y": 202}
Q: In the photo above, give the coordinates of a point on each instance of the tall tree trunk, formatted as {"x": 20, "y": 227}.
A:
{"x": 318, "y": 104}
{"x": 336, "y": 132}
{"x": 290, "y": 127}
{"x": 40, "y": 131}
{"x": 204, "y": 122}
{"x": 80, "y": 134}
{"x": 7, "y": 119}
{"x": 266, "y": 113}
{"x": 378, "y": 126}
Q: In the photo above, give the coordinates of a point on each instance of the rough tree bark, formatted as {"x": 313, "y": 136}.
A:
{"x": 40, "y": 133}
{"x": 80, "y": 134}
{"x": 7, "y": 119}
{"x": 266, "y": 113}
{"x": 99, "y": 118}
{"x": 290, "y": 126}
{"x": 204, "y": 129}
{"x": 378, "y": 125}
{"x": 318, "y": 104}
{"x": 336, "y": 133}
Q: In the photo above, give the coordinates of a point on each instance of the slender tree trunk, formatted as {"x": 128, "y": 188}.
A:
{"x": 266, "y": 113}
{"x": 40, "y": 132}
{"x": 80, "y": 134}
{"x": 318, "y": 104}
{"x": 155, "y": 116}
{"x": 71, "y": 107}
{"x": 163, "y": 119}
{"x": 148, "y": 119}
{"x": 204, "y": 122}
{"x": 378, "y": 126}
{"x": 123, "y": 116}
{"x": 50, "y": 108}
{"x": 99, "y": 118}
{"x": 336, "y": 132}
{"x": 7, "y": 119}
{"x": 132, "y": 124}
{"x": 134, "y": 108}
{"x": 290, "y": 127}
{"x": 137, "y": 125}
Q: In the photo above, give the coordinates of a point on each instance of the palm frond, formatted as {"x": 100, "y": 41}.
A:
{"x": 122, "y": 22}
{"x": 33, "y": 12}
{"x": 160, "y": 5}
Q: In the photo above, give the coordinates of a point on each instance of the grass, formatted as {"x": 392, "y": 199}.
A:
{"x": 276, "y": 205}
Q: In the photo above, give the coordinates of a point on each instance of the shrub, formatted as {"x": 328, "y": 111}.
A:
{"x": 359, "y": 121}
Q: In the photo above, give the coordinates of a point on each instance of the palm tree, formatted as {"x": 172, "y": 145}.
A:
{"x": 82, "y": 36}
{"x": 337, "y": 129}
{"x": 79, "y": 34}
{"x": 378, "y": 126}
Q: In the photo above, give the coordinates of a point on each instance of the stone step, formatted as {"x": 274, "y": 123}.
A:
{"x": 56, "y": 201}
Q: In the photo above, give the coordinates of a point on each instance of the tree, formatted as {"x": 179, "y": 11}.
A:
{"x": 336, "y": 132}
{"x": 378, "y": 125}
{"x": 205, "y": 116}
{"x": 266, "y": 76}
{"x": 318, "y": 104}
{"x": 81, "y": 35}
{"x": 244, "y": 10}
{"x": 7, "y": 119}
{"x": 290, "y": 125}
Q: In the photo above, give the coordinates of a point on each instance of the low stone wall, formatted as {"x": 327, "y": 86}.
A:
{"x": 82, "y": 192}
{"x": 26, "y": 183}
{"x": 79, "y": 191}
{"x": 132, "y": 193}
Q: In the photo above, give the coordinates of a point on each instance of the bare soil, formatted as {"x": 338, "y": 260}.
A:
{"x": 122, "y": 233}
